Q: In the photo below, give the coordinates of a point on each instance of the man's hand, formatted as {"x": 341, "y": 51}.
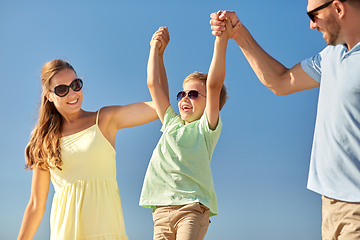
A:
{"x": 218, "y": 24}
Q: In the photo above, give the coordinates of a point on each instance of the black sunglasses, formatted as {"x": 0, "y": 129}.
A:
{"x": 63, "y": 90}
{"x": 192, "y": 94}
{"x": 311, "y": 14}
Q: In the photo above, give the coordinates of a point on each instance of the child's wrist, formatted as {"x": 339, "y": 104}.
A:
{"x": 222, "y": 38}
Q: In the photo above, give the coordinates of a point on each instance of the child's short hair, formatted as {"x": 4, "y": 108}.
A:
{"x": 203, "y": 77}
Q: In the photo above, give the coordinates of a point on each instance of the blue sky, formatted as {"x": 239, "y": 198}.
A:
{"x": 260, "y": 165}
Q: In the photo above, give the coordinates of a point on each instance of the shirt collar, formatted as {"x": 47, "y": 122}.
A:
{"x": 347, "y": 53}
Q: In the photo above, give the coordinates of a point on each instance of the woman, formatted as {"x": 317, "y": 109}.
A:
{"x": 75, "y": 149}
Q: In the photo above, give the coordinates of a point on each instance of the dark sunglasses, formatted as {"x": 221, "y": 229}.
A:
{"x": 311, "y": 14}
{"x": 63, "y": 90}
{"x": 192, "y": 94}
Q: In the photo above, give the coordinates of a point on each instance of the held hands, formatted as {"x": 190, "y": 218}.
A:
{"x": 229, "y": 30}
{"x": 218, "y": 23}
{"x": 160, "y": 39}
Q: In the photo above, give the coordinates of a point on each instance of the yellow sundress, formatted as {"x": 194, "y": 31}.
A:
{"x": 86, "y": 203}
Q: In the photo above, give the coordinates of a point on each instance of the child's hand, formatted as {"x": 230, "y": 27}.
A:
{"x": 230, "y": 30}
{"x": 160, "y": 39}
{"x": 218, "y": 24}
{"x": 155, "y": 41}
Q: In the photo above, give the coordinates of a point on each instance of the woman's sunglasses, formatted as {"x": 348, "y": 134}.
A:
{"x": 192, "y": 94}
{"x": 63, "y": 90}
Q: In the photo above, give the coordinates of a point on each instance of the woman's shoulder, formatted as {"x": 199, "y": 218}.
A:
{"x": 106, "y": 113}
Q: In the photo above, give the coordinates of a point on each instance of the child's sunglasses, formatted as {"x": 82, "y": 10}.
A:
{"x": 63, "y": 90}
{"x": 192, "y": 94}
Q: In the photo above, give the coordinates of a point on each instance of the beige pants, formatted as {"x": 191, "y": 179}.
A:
{"x": 341, "y": 220}
{"x": 181, "y": 222}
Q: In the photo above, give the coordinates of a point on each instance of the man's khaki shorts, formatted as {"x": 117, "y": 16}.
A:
{"x": 341, "y": 220}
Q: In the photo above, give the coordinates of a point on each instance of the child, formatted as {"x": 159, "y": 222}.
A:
{"x": 178, "y": 185}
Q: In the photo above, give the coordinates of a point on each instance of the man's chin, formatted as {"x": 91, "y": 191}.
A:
{"x": 330, "y": 41}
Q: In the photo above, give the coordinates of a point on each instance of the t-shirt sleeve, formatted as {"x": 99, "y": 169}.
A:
{"x": 205, "y": 125}
{"x": 211, "y": 136}
{"x": 169, "y": 117}
{"x": 312, "y": 65}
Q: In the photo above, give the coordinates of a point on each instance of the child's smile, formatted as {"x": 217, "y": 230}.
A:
{"x": 192, "y": 109}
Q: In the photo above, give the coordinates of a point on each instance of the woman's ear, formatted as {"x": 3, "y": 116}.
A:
{"x": 48, "y": 96}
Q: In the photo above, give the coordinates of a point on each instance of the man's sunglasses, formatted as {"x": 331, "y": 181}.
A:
{"x": 63, "y": 90}
{"x": 192, "y": 94}
{"x": 311, "y": 14}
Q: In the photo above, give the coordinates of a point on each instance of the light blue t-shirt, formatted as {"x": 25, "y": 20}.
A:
{"x": 179, "y": 171}
{"x": 335, "y": 158}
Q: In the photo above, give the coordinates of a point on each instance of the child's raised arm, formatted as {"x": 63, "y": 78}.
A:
{"x": 156, "y": 74}
{"x": 114, "y": 118}
{"x": 216, "y": 76}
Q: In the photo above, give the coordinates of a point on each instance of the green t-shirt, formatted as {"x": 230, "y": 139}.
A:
{"x": 179, "y": 171}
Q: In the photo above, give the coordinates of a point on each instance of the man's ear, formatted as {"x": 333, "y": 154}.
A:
{"x": 340, "y": 9}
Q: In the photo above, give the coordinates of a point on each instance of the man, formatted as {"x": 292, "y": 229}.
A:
{"x": 335, "y": 159}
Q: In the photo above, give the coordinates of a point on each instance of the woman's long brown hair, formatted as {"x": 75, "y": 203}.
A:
{"x": 43, "y": 149}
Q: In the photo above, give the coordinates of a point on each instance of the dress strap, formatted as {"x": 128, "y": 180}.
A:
{"x": 97, "y": 117}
